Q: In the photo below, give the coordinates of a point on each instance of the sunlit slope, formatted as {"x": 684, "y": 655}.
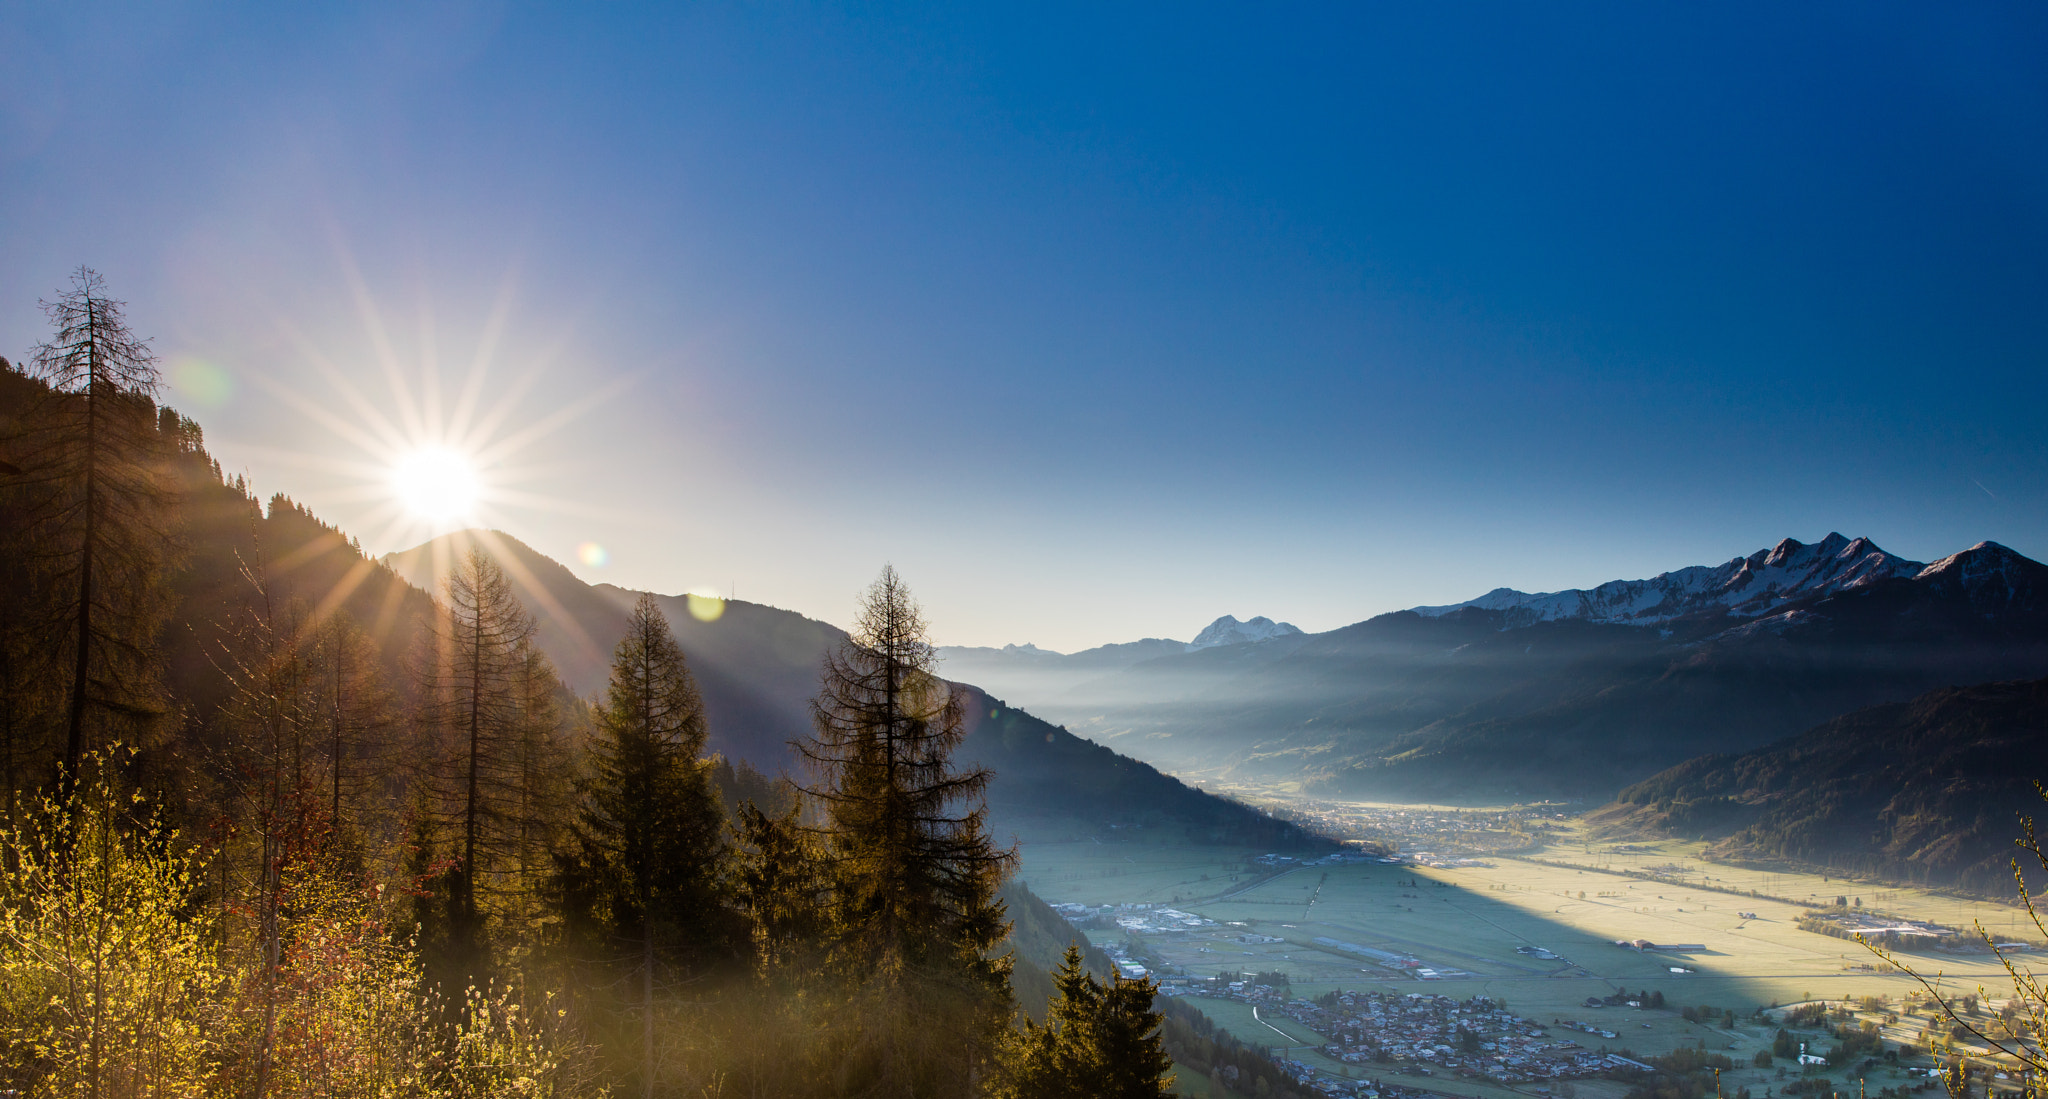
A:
{"x": 758, "y": 668}
{"x": 1481, "y": 705}
{"x": 1925, "y": 790}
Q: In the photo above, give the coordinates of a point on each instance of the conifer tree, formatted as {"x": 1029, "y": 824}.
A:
{"x": 914, "y": 873}
{"x": 1096, "y": 1042}
{"x": 651, "y": 822}
{"x": 97, "y": 519}
{"x": 545, "y": 794}
{"x": 781, "y": 888}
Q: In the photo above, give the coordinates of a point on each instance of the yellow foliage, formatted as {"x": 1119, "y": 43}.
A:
{"x": 114, "y": 983}
{"x": 107, "y": 985}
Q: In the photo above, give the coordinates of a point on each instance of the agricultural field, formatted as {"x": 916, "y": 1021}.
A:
{"x": 1474, "y": 930}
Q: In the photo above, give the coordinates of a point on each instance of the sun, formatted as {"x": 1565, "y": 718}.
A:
{"x": 436, "y": 453}
{"x": 437, "y": 484}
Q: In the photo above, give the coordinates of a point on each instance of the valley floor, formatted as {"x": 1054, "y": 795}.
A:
{"x": 1472, "y": 927}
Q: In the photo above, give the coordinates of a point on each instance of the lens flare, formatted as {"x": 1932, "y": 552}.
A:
{"x": 201, "y": 382}
{"x": 705, "y": 608}
{"x": 436, "y": 484}
{"x": 593, "y": 555}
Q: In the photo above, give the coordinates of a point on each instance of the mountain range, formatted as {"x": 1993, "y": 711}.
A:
{"x": 758, "y": 667}
{"x": 1567, "y": 694}
{"x": 1030, "y": 670}
{"x": 1743, "y": 587}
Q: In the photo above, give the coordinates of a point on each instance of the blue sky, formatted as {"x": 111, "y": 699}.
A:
{"x": 1096, "y": 323}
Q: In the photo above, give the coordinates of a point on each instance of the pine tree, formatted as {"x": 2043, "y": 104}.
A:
{"x": 914, "y": 873}
{"x": 1096, "y": 1042}
{"x": 650, "y": 829}
{"x": 96, "y": 515}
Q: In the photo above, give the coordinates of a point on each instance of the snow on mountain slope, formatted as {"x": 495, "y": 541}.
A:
{"x": 1743, "y": 587}
{"x": 1227, "y": 630}
{"x": 1991, "y": 576}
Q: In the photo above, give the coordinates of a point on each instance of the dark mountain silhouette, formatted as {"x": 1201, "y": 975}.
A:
{"x": 1483, "y": 703}
{"x": 758, "y": 667}
{"x": 1927, "y": 790}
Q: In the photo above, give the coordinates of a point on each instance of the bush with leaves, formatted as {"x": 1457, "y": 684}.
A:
{"x": 113, "y": 981}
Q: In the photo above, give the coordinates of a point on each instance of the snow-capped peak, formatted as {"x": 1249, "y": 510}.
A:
{"x": 1227, "y": 630}
{"x": 1990, "y": 575}
{"x": 1745, "y": 586}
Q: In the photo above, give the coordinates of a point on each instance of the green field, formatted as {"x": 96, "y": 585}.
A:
{"x": 1466, "y": 924}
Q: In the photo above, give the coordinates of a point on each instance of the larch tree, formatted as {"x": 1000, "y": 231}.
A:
{"x": 90, "y": 459}
{"x": 651, "y": 825}
{"x": 471, "y": 702}
{"x": 354, "y": 709}
{"x": 916, "y": 920}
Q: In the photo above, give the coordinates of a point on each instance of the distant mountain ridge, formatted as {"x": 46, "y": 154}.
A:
{"x": 1744, "y": 586}
{"x": 1226, "y": 630}
{"x": 1031, "y": 672}
{"x": 1568, "y": 694}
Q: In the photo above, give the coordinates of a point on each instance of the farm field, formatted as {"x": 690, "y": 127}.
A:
{"x": 1680, "y": 858}
{"x": 1462, "y": 926}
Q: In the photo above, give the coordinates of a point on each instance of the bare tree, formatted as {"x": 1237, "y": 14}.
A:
{"x": 471, "y": 700}
{"x": 99, "y": 522}
{"x": 356, "y": 708}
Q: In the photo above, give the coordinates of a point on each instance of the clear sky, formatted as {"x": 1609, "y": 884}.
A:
{"x": 1098, "y": 321}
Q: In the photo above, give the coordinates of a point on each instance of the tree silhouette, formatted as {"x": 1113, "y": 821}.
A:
{"x": 651, "y": 822}
{"x": 472, "y": 701}
{"x": 914, "y": 872}
{"x": 90, "y": 457}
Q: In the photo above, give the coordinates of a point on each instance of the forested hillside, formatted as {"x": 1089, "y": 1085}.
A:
{"x": 278, "y": 822}
{"x": 757, "y": 667}
{"x": 1928, "y": 790}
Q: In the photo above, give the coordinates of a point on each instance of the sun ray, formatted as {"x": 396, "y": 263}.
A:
{"x": 508, "y": 402}
{"x": 373, "y": 418}
{"x": 380, "y": 340}
{"x": 426, "y": 453}
{"x": 358, "y": 572}
{"x": 556, "y": 420}
{"x": 561, "y": 506}
{"x": 486, "y": 354}
{"x": 538, "y": 593}
{"x": 430, "y": 368}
